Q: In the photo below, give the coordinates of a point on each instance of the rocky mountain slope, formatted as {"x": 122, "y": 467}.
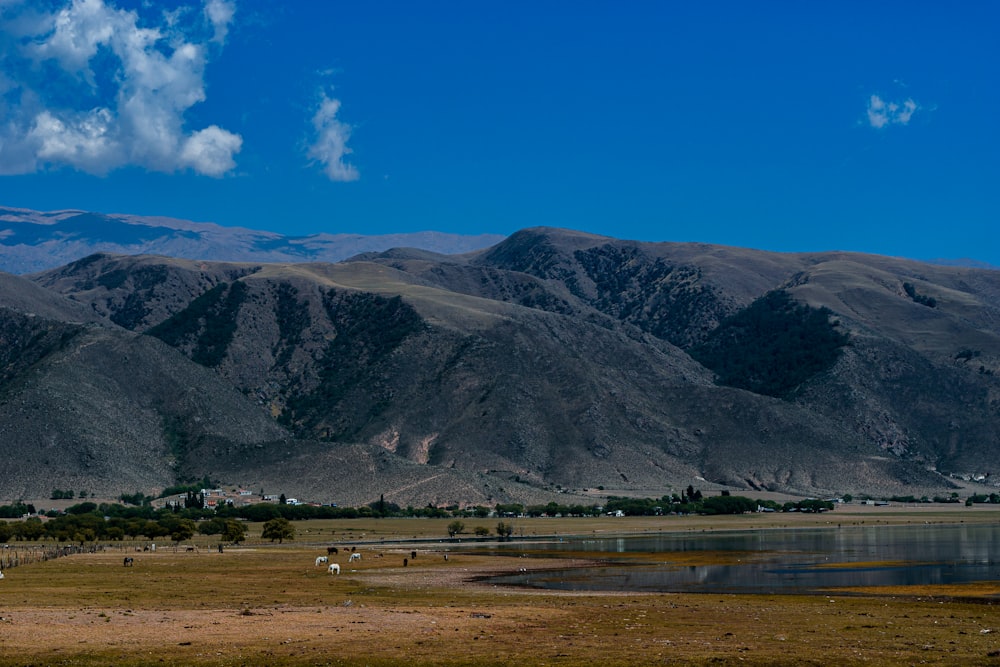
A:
{"x": 552, "y": 362}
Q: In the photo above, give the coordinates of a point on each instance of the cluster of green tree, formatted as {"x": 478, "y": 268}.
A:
{"x": 207, "y": 324}
{"x": 688, "y": 501}
{"x": 90, "y": 521}
{"x": 267, "y": 511}
{"x": 179, "y": 489}
{"x": 134, "y": 309}
{"x": 178, "y": 436}
{"x": 668, "y": 301}
{"x": 953, "y": 498}
{"x": 692, "y": 501}
{"x": 808, "y": 505}
{"x": 292, "y": 317}
{"x": 369, "y": 328}
{"x": 982, "y": 498}
{"x": 137, "y": 498}
{"x": 59, "y": 494}
{"x": 555, "y": 509}
{"x": 967, "y": 355}
{"x": 86, "y": 523}
{"x": 922, "y": 299}
{"x": 113, "y": 279}
{"x": 16, "y": 511}
{"x": 772, "y": 346}
{"x": 27, "y": 339}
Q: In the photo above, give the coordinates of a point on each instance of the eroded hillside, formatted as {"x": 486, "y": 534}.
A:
{"x": 558, "y": 361}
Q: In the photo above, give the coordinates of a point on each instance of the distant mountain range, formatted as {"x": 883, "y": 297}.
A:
{"x": 553, "y": 364}
{"x": 33, "y": 241}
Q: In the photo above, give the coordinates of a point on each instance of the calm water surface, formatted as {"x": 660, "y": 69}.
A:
{"x": 786, "y": 561}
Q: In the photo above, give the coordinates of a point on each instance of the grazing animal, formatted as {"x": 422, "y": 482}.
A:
{"x": 321, "y": 559}
{"x": 354, "y": 557}
{"x": 330, "y": 551}
{"x": 128, "y": 561}
{"x": 333, "y": 569}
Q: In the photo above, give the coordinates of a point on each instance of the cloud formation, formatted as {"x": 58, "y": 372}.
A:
{"x": 330, "y": 144}
{"x": 882, "y": 113}
{"x": 96, "y": 88}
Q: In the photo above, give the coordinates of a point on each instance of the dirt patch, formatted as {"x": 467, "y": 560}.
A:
{"x": 263, "y": 605}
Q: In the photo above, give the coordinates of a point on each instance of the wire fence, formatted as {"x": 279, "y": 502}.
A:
{"x": 12, "y": 556}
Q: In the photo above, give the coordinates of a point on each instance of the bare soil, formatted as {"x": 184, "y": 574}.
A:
{"x": 271, "y": 605}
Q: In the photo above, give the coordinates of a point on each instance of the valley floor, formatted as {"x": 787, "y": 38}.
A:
{"x": 261, "y": 604}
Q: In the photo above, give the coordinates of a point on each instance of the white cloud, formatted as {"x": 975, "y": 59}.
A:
{"x": 86, "y": 140}
{"x": 95, "y": 88}
{"x": 330, "y": 146}
{"x": 882, "y": 113}
{"x": 220, "y": 13}
{"x": 210, "y": 151}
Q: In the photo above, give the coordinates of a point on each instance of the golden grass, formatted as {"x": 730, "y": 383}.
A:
{"x": 270, "y": 605}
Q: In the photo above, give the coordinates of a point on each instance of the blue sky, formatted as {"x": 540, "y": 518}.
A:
{"x": 784, "y": 126}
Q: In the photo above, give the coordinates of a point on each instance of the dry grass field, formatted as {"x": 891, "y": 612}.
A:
{"x": 263, "y": 604}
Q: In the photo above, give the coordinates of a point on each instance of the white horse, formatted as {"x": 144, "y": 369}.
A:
{"x": 355, "y": 556}
{"x": 333, "y": 569}
{"x": 320, "y": 560}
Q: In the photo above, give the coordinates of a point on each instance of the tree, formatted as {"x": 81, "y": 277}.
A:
{"x": 455, "y": 527}
{"x": 235, "y": 531}
{"x": 505, "y": 530}
{"x": 279, "y": 529}
{"x": 728, "y": 505}
{"x": 82, "y": 508}
{"x": 153, "y": 529}
{"x": 31, "y": 529}
{"x": 182, "y": 530}
{"x": 772, "y": 346}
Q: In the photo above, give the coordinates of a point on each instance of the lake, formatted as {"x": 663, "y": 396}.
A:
{"x": 779, "y": 561}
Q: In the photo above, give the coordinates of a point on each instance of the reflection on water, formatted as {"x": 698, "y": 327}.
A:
{"x": 787, "y": 561}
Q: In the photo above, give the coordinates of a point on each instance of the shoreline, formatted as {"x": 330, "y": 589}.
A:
{"x": 264, "y": 604}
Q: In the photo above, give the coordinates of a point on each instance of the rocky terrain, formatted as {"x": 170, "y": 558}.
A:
{"x": 551, "y": 363}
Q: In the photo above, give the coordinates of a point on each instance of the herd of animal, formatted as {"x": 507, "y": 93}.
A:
{"x": 334, "y": 568}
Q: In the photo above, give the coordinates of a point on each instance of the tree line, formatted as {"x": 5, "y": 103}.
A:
{"x": 89, "y": 521}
